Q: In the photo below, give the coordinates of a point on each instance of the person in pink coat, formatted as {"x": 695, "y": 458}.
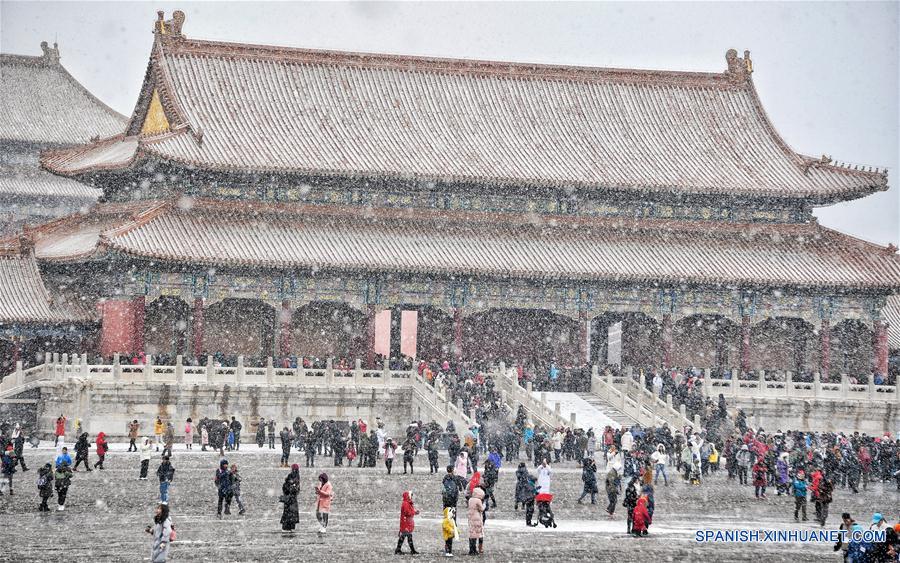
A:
{"x": 324, "y": 494}
{"x": 189, "y": 433}
{"x": 476, "y": 521}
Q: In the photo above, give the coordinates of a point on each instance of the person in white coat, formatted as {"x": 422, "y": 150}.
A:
{"x": 657, "y": 385}
{"x": 557, "y": 444}
{"x": 660, "y": 460}
{"x": 161, "y": 534}
{"x": 614, "y": 460}
{"x": 461, "y": 467}
{"x": 543, "y": 480}
{"x": 146, "y": 453}
{"x": 627, "y": 440}
{"x": 382, "y": 438}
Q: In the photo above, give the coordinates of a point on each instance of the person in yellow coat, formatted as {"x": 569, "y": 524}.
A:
{"x": 158, "y": 429}
{"x": 714, "y": 459}
{"x": 451, "y": 532}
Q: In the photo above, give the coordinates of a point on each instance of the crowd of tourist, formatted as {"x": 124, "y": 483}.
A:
{"x": 631, "y": 462}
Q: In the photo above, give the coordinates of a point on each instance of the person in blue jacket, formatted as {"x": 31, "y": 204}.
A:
{"x": 858, "y": 550}
{"x": 799, "y": 485}
{"x": 64, "y": 457}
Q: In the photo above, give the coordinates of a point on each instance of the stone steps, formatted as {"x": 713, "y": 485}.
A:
{"x": 609, "y": 410}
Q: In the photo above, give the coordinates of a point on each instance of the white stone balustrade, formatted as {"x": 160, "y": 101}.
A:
{"x": 760, "y": 388}
{"x": 63, "y": 369}
{"x": 636, "y": 401}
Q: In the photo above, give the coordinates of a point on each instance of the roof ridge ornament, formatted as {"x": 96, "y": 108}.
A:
{"x": 169, "y": 28}
{"x": 739, "y": 68}
{"x": 815, "y": 163}
{"x": 51, "y": 55}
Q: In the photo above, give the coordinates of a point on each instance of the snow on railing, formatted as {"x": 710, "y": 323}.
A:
{"x": 514, "y": 395}
{"x": 56, "y": 368}
{"x": 438, "y": 402}
{"x": 636, "y": 401}
{"x": 761, "y": 388}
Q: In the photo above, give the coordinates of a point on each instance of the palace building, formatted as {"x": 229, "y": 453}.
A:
{"x": 280, "y": 201}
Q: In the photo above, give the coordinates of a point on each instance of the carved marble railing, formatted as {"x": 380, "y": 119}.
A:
{"x": 633, "y": 399}
{"x": 760, "y": 388}
{"x": 65, "y": 368}
{"x": 539, "y": 410}
{"x": 432, "y": 403}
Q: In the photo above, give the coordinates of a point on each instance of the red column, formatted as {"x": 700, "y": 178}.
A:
{"x": 457, "y": 334}
{"x": 667, "y": 341}
{"x": 745, "y": 343}
{"x": 137, "y": 312}
{"x": 122, "y": 326}
{"x": 825, "y": 355}
{"x": 584, "y": 348}
{"x": 197, "y": 327}
{"x": 284, "y": 335}
{"x": 881, "y": 348}
{"x": 370, "y": 337}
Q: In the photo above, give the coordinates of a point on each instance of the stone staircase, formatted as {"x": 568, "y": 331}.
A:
{"x": 632, "y": 399}
{"x": 608, "y": 409}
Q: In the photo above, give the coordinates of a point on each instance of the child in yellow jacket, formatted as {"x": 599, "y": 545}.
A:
{"x": 451, "y": 532}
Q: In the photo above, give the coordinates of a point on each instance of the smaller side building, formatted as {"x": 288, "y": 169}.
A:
{"x": 44, "y": 107}
{"x": 31, "y": 318}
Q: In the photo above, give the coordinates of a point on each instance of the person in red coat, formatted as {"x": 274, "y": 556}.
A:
{"x": 760, "y": 478}
{"x": 407, "y": 523}
{"x": 102, "y": 448}
{"x": 641, "y": 521}
{"x": 475, "y": 481}
{"x": 60, "y": 429}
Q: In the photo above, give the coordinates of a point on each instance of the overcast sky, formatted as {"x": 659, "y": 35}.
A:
{"x": 827, "y": 72}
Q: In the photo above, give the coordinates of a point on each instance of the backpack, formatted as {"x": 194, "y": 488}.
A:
{"x": 172, "y": 534}
{"x": 451, "y": 488}
{"x": 42, "y": 481}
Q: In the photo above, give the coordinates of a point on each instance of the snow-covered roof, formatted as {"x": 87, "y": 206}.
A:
{"x": 23, "y": 296}
{"x": 891, "y": 314}
{"x": 25, "y": 179}
{"x": 43, "y": 104}
{"x": 205, "y": 231}
{"x": 251, "y": 108}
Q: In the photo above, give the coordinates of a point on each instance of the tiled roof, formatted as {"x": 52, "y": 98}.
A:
{"x": 42, "y": 103}
{"x": 23, "y": 297}
{"x": 77, "y": 236}
{"x": 24, "y": 178}
{"x": 385, "y": 240}
{"x": 891, "y": 313}
{"x": 249, "y": 108}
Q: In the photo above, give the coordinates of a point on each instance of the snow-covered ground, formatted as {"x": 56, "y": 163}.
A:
{"x": 586, "y": 414}
{"x": 107, "y": 512}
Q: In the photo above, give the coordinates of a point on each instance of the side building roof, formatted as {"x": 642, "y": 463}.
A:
{"x": 24, "y": 298}
{"x": 251, "y": 108}
{"x": 45, "y": 106}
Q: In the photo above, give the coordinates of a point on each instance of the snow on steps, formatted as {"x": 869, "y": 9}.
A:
{"x": 589, "y": 410}
{"x": 633, "y": 399}
{"x": 619, "y": 418}
{"x": 514, "y": 395}
{"x": 430, "y": 403}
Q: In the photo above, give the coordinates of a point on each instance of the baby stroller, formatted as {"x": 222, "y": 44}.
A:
{"x": 545, "y": 513}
